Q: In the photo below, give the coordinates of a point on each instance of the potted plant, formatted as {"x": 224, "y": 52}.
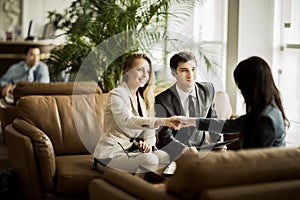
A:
{"x": 88, "y": 23}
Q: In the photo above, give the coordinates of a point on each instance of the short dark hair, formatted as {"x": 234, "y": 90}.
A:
{"x": 26, "y": 50}
{"x": 183, "y": 56}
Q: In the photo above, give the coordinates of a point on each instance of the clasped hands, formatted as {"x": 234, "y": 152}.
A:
{"x": 178, "y": 122}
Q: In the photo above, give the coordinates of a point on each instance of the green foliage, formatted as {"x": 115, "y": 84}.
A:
{"x": 88, "y": 23}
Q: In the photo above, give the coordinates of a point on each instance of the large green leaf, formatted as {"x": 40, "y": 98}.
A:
{"x": 88, "y": 23}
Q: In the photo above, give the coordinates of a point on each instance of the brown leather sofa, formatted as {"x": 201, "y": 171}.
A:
{"x": 259, "y": 174}
{"x": 24, "y": 88}
{"x": 50, "y": 143}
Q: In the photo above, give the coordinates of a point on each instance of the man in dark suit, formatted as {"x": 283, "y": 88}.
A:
{"x": 186, "y": 98}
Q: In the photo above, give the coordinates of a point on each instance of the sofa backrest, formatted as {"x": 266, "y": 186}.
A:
{"x": 24, "y": 88}
{"x": 72, "y": 122}
{"x": 194, "y": 175}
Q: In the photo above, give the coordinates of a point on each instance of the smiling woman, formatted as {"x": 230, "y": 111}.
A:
{"x": 129, "y": 125}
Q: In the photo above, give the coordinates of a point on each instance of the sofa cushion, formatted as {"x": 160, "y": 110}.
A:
{"x": 100, "y": 189}
{"x": 74, "y": 173}
{"x": 194, "y": 174}
{"x": 134, "y": 185}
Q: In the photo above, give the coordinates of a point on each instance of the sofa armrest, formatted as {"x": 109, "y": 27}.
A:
{"x": 265, "y": 191}
{"x": 7, "y": 114}
{"x": 43, "y": 149}
{"x": 134, "y": 186}
{"x": 227, "y": 169}
{"x": 22, "y": 158}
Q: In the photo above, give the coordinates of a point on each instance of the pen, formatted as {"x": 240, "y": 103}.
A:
{"x": 124, "y": 150}
{"x": 137, "y": 144}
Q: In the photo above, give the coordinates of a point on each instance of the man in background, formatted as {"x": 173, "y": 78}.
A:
{"x": 30, "y": 69}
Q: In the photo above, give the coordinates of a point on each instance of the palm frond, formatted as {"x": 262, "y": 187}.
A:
{"x": 115, "y": 25}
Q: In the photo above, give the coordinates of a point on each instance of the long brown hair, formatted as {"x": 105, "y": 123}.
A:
{"x": 254, "y": 78}
{"x": 147, "y": 92}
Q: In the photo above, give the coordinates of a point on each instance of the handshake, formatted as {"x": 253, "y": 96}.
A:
{"x": 178, "y": 122}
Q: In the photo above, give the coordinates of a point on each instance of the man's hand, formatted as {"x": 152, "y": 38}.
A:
{"x": 177, "y": 122}
{"x": 190, "y": 150}
{"x": 188, "y": 121}
{"x": 8, "y": 89}
{"x": 174, "y": 122}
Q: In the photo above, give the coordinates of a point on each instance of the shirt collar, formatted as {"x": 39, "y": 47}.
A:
{"x": 184, "y": 95}
{"x": 27, "y": 68}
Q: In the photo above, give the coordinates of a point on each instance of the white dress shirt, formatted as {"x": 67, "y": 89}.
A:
{"x": 184, "y": 100}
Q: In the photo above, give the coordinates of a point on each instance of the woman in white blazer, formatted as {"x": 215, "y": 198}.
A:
{"x": 129, "y": 123}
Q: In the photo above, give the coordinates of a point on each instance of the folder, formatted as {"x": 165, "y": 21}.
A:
{"x": 216, "y": 144}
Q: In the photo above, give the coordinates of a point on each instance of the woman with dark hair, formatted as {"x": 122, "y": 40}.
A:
{"x": 129, "y": 124}
{"x": 265, "y": 122}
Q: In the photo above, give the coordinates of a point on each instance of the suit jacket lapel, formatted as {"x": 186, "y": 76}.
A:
{"x": 143, "y": 106}
{"x": 199, "y": 99}
{"x": 128, "y": 93}
{"x": 176, "y": 102}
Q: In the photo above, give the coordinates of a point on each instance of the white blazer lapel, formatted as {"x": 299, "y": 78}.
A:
{"x": 143, "y": 106}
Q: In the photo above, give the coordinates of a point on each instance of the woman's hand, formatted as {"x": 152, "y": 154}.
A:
{"x": 174, "y": 122}
{"x": 144, "y": 147}
{"x": 188, "y": 121}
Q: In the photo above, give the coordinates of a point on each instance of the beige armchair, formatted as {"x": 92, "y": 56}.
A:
{"x": 50, "y": 144}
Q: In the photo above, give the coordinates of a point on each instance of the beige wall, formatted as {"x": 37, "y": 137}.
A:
{"x": 250, "y": 32}
{"x": 37, "y": 10}
{"x": 15, "y": 13}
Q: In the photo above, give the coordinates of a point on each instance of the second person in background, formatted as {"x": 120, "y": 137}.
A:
{"x": 30, "y": 69}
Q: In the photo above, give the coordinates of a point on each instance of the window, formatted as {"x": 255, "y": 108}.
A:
{"x": 206, "y": 29}
{"x": 288, "y": 66}
{"x": 287, "y": 60}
